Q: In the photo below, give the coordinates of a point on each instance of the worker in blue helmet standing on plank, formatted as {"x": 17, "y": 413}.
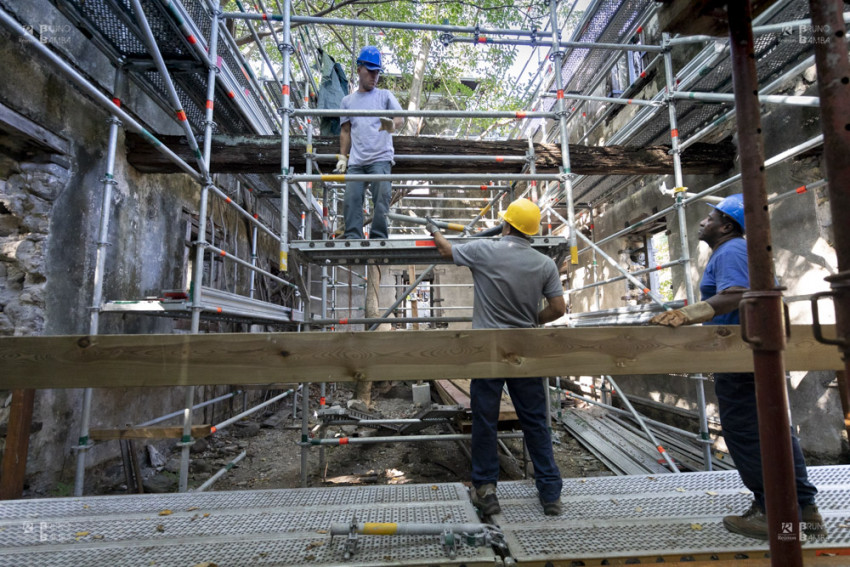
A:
{"x": 366, "y": 147}
{"x": 510, "y": 279}
{"x": 723, "y": 284}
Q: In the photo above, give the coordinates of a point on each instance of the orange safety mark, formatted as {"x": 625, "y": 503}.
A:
{"x": 658, "y": 267}
{"x": 674, "y": 133}
{"x": 265, "y": 16}
{"x": 629, "y": 101}
{"x": 500, "y": 159}
{"x": 646, "y": 290}
{"x": 322, "y": 401}
{"x": 285, "y": 89}
{"x": 343, "y": 321}
{"x": 424, "y": 243}
{"x": 223, "y": 253}
{"x": 801, "y": 189}
{"x": 228, "y": 200}
{"x": 231, "y": 94}
{"x": 482, "y": 40}
{"x": 661, "y": 449}
{"x": 256, "y": 216}
{"x": 218, "y": 309}
{"x": 643, "y": 74}
{"x": 560, "y": 93}
{"x": 520, "y": 115}
{"x": 483, "y": 187}
{"x": 213, "y": 429}
{"x": 640, "y": 29}
{"x": 116, "y": 102}
{"x": 181, "y": 115}
{"x": 343, "y": 441}
{"x": 210, "y": 105}
{"x": 192, "y": 39}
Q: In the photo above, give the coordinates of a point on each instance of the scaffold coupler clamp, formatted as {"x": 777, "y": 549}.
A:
{"x": 840, "y": 287}
{"x": 533, "y": 37}
{"x": 449, "y": 543}
{"x": 286, "y": 46}
{"x": 765, "y": 322}
{"x": 489, "y": 536}
{"x": 186, "y": 441}
{"x": 83, "y": 444}
{"x": 557, "y": 55}
{"x": 446, "y": 39}
{"x": 477, "y": 34}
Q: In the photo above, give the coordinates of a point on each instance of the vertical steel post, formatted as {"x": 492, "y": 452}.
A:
{"x": 285, "y": 112}
{"x": 762, "y": 320}
{"x": 830, "y": 39}
{"x": 699, "y": 379}
{"x": 566, "y": 171}
{"x": 200, "y": 245}
{"x": 100, "y": 267}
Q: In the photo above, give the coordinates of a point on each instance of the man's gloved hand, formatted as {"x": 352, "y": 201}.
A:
{"x": 696, "y": 313}
{"x": 387, "y": 124}
{"x": 430, "y": 226}
{"x": 341, "y": 164}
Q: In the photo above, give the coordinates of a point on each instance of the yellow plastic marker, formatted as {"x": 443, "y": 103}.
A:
{"x": 375, "y": 528}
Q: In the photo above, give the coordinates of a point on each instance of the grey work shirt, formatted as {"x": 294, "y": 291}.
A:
{"x": 369, "y": 144}
{"x": 509, "y": 278}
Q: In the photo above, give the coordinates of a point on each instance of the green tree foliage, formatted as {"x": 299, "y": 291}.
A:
{"x": 451, "y": 66}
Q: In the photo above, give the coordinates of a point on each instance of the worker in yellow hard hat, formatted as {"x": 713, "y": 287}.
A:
{"x": 509, "y": 279}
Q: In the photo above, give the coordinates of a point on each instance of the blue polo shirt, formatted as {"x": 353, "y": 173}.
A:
{"x": 726, "y": 268}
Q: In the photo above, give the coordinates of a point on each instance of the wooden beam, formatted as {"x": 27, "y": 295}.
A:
{"x": 261, "y": 154}
{"x": 17, "y": 445}
{"x": 700, "y": 17}
{"x": 24, "y": 133}
{"x": 175, "y": 432}
{"x": 115, "y": 361}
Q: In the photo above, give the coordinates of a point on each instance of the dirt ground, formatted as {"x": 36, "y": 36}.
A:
{"x": 274, "y": 460}
{"x": 273, "y": 457}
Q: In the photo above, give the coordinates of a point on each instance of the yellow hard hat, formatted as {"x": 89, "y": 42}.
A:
{"x": 523, "y": 215}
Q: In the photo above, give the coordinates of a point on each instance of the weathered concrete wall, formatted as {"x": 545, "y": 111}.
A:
{"x": 50, "y": 211}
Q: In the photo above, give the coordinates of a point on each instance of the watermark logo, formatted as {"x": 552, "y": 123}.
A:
{"x": 47, "y": 34}
{"x": 806, "y": 34}
{"x": 40, "y": 530}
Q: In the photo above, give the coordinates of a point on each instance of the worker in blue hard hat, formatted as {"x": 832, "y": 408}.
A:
{"x": 722, "y": 287}
{"x": 366, "y": 147}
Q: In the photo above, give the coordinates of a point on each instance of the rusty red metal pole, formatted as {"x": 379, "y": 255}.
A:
{"x": 829, "y": 37}
{"x": 761, "y": 310}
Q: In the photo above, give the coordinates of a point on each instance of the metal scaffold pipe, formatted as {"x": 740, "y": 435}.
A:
{"x": 249, "y": 265}
{"x": 763, "y": 98}
{"x": 516, "y": 114}
{"x": 177, "y": 413}
{"x": 286, "y": 111}
{"x": 221, "y": 472}
{"x": 566, "y": 172}
{"x": 612, "y": 100}
{"x": 431, "y": 157}
{"x": 403, "y": 439}
{"x": 393, "y": 320}
{"x": 219, "y": 426}
{"x": 342, "y": 178}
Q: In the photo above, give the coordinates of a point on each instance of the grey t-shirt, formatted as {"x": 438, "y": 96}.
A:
{"x": 368, "y": 143}
{"x": 509, "y": 278}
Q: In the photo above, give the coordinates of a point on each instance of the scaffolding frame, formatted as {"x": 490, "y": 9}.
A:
{"x": 563, "y": 180}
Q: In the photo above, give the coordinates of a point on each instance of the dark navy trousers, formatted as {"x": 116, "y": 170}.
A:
{"x": 736, "y": 395}
{"x": 529, "y": 401}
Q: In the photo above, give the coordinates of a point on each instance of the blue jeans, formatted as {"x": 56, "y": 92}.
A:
{"x": 355, "y": 196}
{"x": 530, "y": 403}
{"x": 736, "y": 396}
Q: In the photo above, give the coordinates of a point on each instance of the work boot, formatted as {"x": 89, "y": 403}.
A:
{"x": 813, "y": 525}
{"x": 552, "y": 508}
{"x": 752, "y": 524}
{"x": 484, "y": 498}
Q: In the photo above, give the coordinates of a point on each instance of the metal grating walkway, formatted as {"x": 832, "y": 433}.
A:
{"x": 269, "y": 527}
{"x": 606, "y": 521}
{"x": 647, "y": 517}
{"x": 402, "y": 251}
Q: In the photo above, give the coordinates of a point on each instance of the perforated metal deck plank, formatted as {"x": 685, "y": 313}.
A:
{"x": 270, "y": 527}
{"x": 651, "y": 516}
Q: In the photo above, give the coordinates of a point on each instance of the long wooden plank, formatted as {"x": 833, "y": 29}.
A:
{"x": 261, "y": 154}
{"x": 171, "y": 360}
{"x": 506, "y": 406}
{"x": 175, "y": 432}
{"x": 17, "y": 444}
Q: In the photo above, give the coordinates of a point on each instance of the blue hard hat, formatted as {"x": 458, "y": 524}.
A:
{"x": 733, "y": 207}
{"x": 370, "y": 57}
